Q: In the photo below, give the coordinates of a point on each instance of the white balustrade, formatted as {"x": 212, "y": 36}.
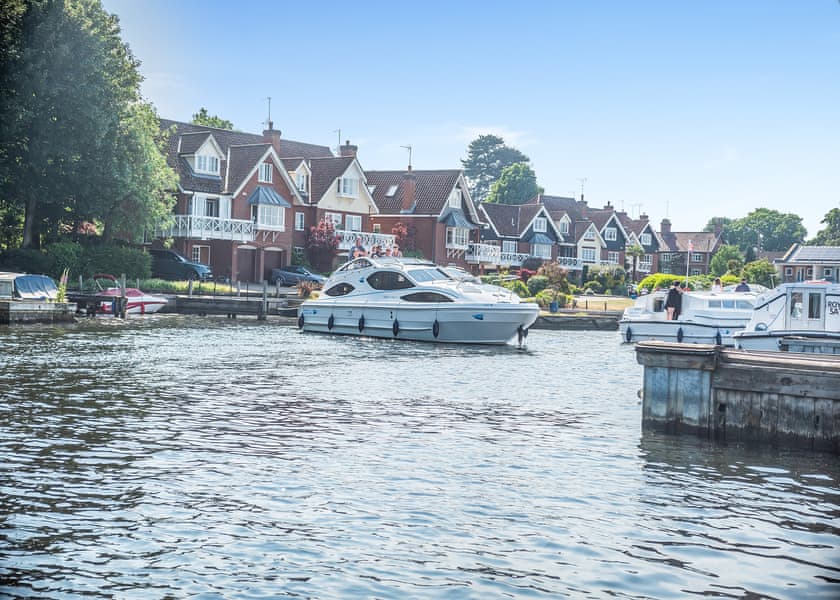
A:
{"x": 346, "y": 239}
{"x": 483, "y": 253}
{"x": 209, "y": 228}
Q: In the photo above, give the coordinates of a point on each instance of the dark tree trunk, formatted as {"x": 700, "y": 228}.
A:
{"x": 31, "y": 239}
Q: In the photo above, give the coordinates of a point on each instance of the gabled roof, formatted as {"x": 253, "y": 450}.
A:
{"x": 292, "y": 164}
{"x": 432, "y": 189}
{"x": 513, "y": 220}
{"x": 242, "y": 161}
{"x": 325, "y": 171}
{"x": 812, "y": 254}
{"x": 583, "y": 226}
{"x": 678, "y": 241}
{"x": 556, "y": 205}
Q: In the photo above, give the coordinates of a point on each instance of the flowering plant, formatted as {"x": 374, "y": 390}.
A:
{"x": 61, "y": 296}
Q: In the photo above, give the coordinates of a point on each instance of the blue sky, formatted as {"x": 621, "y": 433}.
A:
{"x": 682, "y": 109}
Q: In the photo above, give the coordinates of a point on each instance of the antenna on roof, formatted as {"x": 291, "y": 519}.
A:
{"x": 338, "y": 148}
{"x": 270, "y": 124}
{"x": 582, "y": 182}
{"x": 635, "y": 209}
{"x": 409, "y": 155}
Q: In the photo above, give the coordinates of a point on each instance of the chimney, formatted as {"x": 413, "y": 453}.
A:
{"x": 607, "y": 206}
{"x": 348, "y": 149}
{"x": 665, "y": 227}
{"x": 718, "y": 227}
{"x": 272, "y": 136}
{"x": 409, "y": 190}
{"x": 643, "y": 217}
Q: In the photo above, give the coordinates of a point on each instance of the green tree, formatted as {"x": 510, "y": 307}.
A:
{"x": 516, "y": 185}
{"x": 761, "y": 272}
{"x": 830, "y": 236}
{"x": 635, "y": 252}
{"x": 487, "y": 157}
{"x": 720, "y": 261}
{"x": 715, "y": 222}
{"x": 765, "y": 229}
{"x": 202, "y": 118}
{"x": 68, "y": 83}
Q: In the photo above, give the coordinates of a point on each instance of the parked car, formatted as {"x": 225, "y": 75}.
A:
{"x": 294, "y": 274}
{"x": 169, "y": 264}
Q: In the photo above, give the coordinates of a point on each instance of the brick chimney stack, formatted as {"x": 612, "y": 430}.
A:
{"x": 349, "y": 149}
{"x": 409, "y": 190}
{"x": 272, "y": 136}
{"x": 644, "y": 217}
{"x": 665, "y": 227}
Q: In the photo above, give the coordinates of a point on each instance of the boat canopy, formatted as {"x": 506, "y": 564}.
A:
{"x": 35, "y": 287}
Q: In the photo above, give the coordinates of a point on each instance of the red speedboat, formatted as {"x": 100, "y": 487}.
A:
{"x": 138, "y": 302}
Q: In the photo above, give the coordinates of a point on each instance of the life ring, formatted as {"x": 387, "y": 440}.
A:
{"x": 396, "y": 328}
{"x": 330, "y": 322}
{"x": 300, "y": 322}
{"x": 628, "y": 335}
{"x": 680, "y": 335}
{"x": 361, "y": 323}
{"x": 436, "y": 328}
{"x": 718, "y": 338}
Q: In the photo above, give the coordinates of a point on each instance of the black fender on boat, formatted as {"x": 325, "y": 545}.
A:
{"x": 300, "y": 322}
{"x": 718, "y": 338}
{"x": 361, "y": 323}
{"x": 396, "y": 328}
{"x": 680, "y": 335}
{"x": 436, "y": 328}
{"x": 330, "y": 322}
{"x": 628, "y": 335}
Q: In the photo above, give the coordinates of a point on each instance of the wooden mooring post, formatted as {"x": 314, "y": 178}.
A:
{"x": 777, "y": 398}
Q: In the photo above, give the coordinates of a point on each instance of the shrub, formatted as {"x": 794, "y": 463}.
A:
{"x": 593, "y": 286}
{"x": 65, "y": 255}
{"x": 537, "y": 283}
{"x": 118, "y": 260}
{"x": 26, "y": 260}
{"x": 517, "y": 287}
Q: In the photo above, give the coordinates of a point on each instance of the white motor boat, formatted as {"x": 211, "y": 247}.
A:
{"x": 138, "y": 302}
{"x": 705, "y": 317}
{"x": 808, "y": 311}
{"x": 415, "y": 300}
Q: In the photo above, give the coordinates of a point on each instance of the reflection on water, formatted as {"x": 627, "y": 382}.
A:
{"x": 180, "y": 457}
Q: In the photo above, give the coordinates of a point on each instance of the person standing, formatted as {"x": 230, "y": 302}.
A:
{"x": 673, "y": 302}
{"x": 356, "y": 250}
{"x": 742, "y": 287}
{"x": 717, "y": 286}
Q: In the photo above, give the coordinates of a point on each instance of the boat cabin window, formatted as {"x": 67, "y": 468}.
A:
{"x": 339, "y": 289}
{"x": 426, "y": 297}
{"x": 739, "y": 304}
{"x": 389, "y": 280}
{"x": 422, "y": 275}
{"x": 796, "y": 305}
{"x": 814, "y": 306}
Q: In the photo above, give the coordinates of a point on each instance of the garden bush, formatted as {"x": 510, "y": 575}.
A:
{"x": 517, "y": 287}
{"x": 537, "y": 283}
{"x": 593, "y": 286}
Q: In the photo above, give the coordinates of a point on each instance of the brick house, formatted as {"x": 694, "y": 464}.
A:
{"x": 801, "y": 263}
{"x": 686, "y": 252}
{"x": 516, "y": 233}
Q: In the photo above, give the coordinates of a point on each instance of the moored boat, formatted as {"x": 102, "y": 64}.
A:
{"x": 705, "y": 318}
{"x": 138, "y": 302}
{"x": 415, "y": 300}
{"x": 807, "y": 311}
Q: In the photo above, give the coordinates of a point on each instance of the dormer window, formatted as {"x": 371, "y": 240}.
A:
{"x": 266, "y": 173}
{"x": 645, "y": 239}
{"x": 455, "y": 198}
{"x": 205, "y": 163}
{"x": 348, "y": 186}
{"x": 540, "y": 225}
{"x": 589, "y": 235}
{"x": 302, "y": 181}
{"x": 610, "y": 234}
{"x": 564, "y": 227}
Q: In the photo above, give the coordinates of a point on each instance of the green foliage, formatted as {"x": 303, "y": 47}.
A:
{"x": 830, "y": 236}
{"x": 180, "y": 287}
{"x": 607, "y": 277}
{"x": 118, "y": 260}
{"x": 721, "y": 259}
{"x": 516, "y": 185}
{"x": 546, "y": 297}
{"x": 766, "y": 229}
{"x": 537, "y": 283}
{"x": 517, "y": 287}
{"x": 487, "y": 157}
{"x": 634, "y": 252}
{"x": 26, "y": 260}
{"x": 69, "y": 145}
{"x": 79, "y": 260}
{"x": 321, "y": 245}
{"x": 761, "y": 272}
{"x": 64, "y": 255}
{"x": 594, "y": 286}
{"x": 202, "y": 118}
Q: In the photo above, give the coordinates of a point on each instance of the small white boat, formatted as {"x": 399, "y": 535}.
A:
{"x": 705, "y": 318}
{"x": 808, "y": 311}
{"x": 137, "y": 301}
{"x": 415, "y": 300}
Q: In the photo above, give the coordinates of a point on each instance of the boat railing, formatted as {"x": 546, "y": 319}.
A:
{"x": 346, "y": 239}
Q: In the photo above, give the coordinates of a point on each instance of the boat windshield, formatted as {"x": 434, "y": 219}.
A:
{"x": 428, "y": 274}
{"x": 734, "y": 304}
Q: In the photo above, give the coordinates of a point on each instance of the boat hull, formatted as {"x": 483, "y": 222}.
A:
{"x": 687, "y": 332}
{"x": 771, "y": 341}
{"x": 445, "y": 323}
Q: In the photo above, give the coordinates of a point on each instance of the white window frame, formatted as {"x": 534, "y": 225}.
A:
{"x": 457, "y": 237}
{"x": 564, "y": 227}
{"x": 788, "y": 271}
{"x": 377, "y": 228}
{"x": 211, "y": 205}
{"x": 510, "y": 246}
{"x": 207, "y": 163}
{"x": 541, "y": 250}
{"x": 589, "y": 234}
{"x": 301, "y": 180}
{"x": 612, "y": 257}
{"x": 266, "y": 173}
{"x": 196, "y": 253}
{"x": 348, "y": 187}
{"x": 269, "y": 216}
{"x": 611, "y": 234}
{"x": 645, "y": 239}
{"x": 300, "y": 221}
{"x": 587, "y": 255}
{"x": 540, "y": 225}
{"x": 455, "y": 198}
{"x": 335, "y": 218}
{"x": 696, "y": 257}
{"x": 353, "y": 222}
{"x": 646, "y": 260}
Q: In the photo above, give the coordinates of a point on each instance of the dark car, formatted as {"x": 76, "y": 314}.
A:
{"x": 294, "y": 274}
{"x": 168, "y": 264}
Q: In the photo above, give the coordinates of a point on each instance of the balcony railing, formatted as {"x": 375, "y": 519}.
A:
{"x": 570, "y": 262}
{"x": 346, "y": 239}
{"x": 208, "y": 228}
{"x": 483, "y": 253}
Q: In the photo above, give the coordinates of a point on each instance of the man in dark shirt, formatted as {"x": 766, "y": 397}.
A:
{"x": 742, "y": 287}
{"x": 673, "y": 303}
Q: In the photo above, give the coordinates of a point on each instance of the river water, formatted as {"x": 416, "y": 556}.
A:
{"x": 175, "y": 457}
